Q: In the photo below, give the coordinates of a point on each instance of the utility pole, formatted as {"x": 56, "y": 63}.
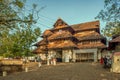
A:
{"x": 46, "y": 50}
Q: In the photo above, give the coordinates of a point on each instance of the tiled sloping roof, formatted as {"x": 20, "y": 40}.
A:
{"x": 60, "y": 24}
{"x": 60, "y": 35}
{"x": 42, "y": 42}
{"x": 117, "y": 39}
{"x": 52, "y": 46}
{"x": 92, "y": 45}
{"x": 88, "y": 35}
{"x": 59, "y": 44}
{"x": 67, "y": 44}
{"x": 37, "y": 50}
{"x": 47, "y": 33}
{"x": 86, "y": 26}
{"x": 40, "y": 49}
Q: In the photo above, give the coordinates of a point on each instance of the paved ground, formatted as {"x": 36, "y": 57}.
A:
{"x": 65, "y": 71}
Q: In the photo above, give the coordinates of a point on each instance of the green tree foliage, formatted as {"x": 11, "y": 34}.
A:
{"x": 17, "y": 28}
{"x": 111, "y": 15}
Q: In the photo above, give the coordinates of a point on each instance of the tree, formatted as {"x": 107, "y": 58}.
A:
{"x": 111, "y": 15}
{"x": 17, "y": 27}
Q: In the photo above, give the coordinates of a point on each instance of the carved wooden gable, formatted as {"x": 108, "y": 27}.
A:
{"x": 60, "y": 24}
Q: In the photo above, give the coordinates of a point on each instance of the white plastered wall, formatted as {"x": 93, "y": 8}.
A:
{"x": 66, "y": 55}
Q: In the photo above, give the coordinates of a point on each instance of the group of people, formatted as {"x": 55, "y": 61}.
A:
{"x": 51, "y": 60}
{"x": 106, "y": 61}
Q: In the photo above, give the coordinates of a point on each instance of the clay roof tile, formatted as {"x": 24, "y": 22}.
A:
{"x": 47, "y": 33}
{"x": 60, "y": 35}
{"x": 86, "y": 26}
{"x": 117, "y": 39}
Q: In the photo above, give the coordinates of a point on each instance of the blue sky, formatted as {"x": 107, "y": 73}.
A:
{"x": 71, "y": 11}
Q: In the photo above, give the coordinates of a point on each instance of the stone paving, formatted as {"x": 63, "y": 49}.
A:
{"x": 65, "y": 71}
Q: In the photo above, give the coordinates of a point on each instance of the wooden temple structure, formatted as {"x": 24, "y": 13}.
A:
{"x": 79, "y": 42}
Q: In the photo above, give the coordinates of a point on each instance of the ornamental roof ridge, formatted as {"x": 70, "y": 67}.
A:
{"x": 86, "y": 22}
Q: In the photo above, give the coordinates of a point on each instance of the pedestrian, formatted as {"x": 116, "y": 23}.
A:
{"x": 109, "y": 62}
{"x": 101, "y": 61}
{"x": 35, "y": 58}
{"x": 24, "y": 60}
{"x": 39, "y": 61}
{"x": 54, "y": 61}
{"x": 51, "y": 61}
{"x": 105, "y": 62}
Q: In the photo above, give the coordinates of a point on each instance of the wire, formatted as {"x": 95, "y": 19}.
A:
{"x": 47, "y": 17}
{"x": 41, "y": 18}
{"x": 44, "y": 25}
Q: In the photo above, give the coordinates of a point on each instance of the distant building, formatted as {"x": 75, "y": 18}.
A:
{"x": 79, "y": 42}
{"x": 114, "y": 44}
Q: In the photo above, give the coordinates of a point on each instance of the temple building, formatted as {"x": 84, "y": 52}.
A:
{"x": 79, "y": 42}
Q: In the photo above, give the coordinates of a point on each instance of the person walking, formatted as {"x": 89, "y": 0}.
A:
{"x": 54, "y": 61}
{"x": 39, "y": 61}
{"x": 109, "y": 62}
{"x": 101, "y": 61}
{"x": 105, "y": 62}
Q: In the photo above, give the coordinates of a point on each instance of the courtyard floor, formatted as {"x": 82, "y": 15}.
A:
{"x": 65, "y": 71}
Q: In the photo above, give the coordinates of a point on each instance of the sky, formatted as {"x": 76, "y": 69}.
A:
{"x": 71, "y": 11}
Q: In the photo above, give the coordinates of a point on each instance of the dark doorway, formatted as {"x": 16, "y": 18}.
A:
{"x": 59, "y": 56}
